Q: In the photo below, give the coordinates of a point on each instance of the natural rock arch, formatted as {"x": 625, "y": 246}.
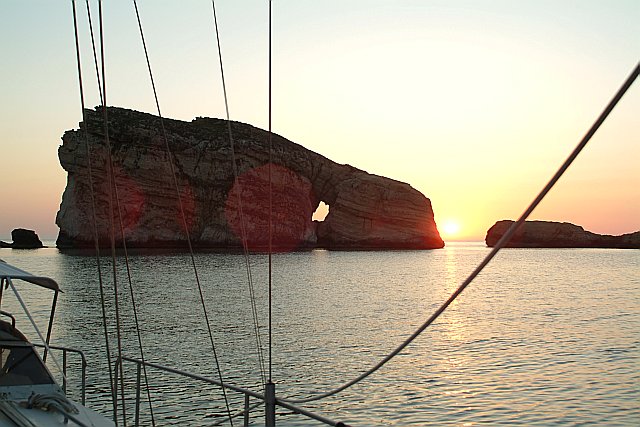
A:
{"x": 367, "y": 211}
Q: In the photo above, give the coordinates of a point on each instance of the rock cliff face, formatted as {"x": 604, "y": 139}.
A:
{"x": 365, "y": 211}
{"x": 547, "y": 234}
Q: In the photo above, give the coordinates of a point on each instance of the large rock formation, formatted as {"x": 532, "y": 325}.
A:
{"x": 365, "y": 211}
{"x": 548, "y": 234}
{"x": 23, "y": 239}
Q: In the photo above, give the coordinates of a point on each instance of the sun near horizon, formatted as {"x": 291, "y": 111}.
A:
{"x": 450, "y": 229}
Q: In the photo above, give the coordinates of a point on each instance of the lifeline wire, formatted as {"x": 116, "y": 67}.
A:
{"x": 90, "y": 172}
{"x": 182, "y": 214}
{"x": 499, "y": 245}
{"x": 243, "y": 231}
{"x": 33, "y": 323}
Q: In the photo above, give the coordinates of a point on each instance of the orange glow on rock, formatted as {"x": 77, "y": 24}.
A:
{"x": 292, "y": 208}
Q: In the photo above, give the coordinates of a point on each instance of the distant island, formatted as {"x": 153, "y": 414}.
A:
{"x": 23, "y": 239}
{"x": 549, "y": 234}
{"x": 366, "y": 211}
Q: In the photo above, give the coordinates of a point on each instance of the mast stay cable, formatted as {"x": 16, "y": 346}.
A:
{"x": 111, "y": 182}
{"x": 94, "y": 221}
{"x": 270, "y": 211}
{"x": 499, "y": 245}
{"x": 118, "y": 205}
{"x": 243, "y": 230}
{"x": 93, "y": 46}
{"x": 182, "y": 214}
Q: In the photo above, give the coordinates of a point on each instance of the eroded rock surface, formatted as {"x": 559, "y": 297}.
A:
{"x": 549, "y": 234}
{"x": 365, "y": 211}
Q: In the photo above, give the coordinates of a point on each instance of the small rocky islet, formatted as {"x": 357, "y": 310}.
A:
{"x": 23, "y": 239}
{"x": 551, "y": 234}
{"x": 366, "y": 211}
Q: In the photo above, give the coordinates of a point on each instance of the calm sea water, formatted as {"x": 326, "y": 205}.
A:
{"x": 542, "y": 337}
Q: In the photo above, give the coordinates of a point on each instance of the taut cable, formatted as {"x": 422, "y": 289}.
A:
{"x": 243, "y": 229}
{"x": 94, "y": 220}
{"x": 112, "y": 183}
{"x": 182, "y": 214}
{"x": 499, "y": 245}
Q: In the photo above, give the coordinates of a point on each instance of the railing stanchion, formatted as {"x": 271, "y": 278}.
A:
{"x": 138, "y": 380}
{"x": 269, "y": 397}
{"x": 115, "y": 384}
{"x": 84, "y": 379}
{"x": 270, "y": 404}
{"x": 64, "y": 370}
{"x": 246, "y": 410}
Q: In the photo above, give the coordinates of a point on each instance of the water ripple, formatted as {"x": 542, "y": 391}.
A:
{"x": 544, "y": 337}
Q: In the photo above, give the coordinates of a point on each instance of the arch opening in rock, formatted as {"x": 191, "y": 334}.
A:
{"x": 321, "y": 212}
{"x": 367, "y": 211}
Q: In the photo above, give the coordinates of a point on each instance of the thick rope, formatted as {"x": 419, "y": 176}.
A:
{"x": 94, "y": 221}
{"x": 499, "y": 245}
{"x": 182, "y": 214}
{"x": 58, "y": 403}
{"x": 243, "y": 231}
{"x": 51, "y": 401}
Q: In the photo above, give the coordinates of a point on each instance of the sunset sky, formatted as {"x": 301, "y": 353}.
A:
{"x": 474, "y": 103}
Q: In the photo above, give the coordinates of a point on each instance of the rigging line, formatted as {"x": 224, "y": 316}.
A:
{"x": 93, "y": 46}
{"x": 111, "y": 180}
{"x": 270, "y": 209}
{"x": 124, "y": 243}
{"x": 182, "y": 214}
{"x": 499, "y": 245}
{"x": 133, "y": 303}
{"x": 243, "y": 231}
{"x": 94, "y": 219}
{"x": 35, "y": 327}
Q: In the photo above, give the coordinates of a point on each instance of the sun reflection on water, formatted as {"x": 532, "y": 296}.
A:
{"x": 513, "y": 350}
